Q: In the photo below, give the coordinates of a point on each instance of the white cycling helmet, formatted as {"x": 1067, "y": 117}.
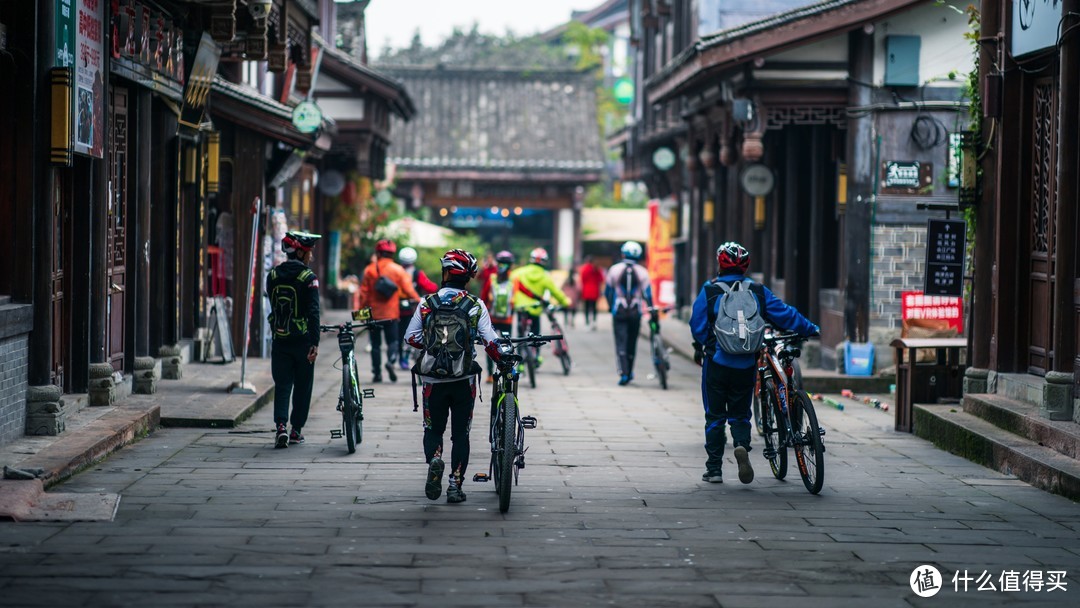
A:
{"x": 631, "y": 250}
{"x": 407, "y": 256}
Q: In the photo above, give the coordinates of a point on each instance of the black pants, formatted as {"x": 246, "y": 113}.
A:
{"x": 590, "y": 309}
{"x": 500, "y": 329}
{"x": 390, "y": 330}
{"x": 727, "y": 393}
{"x": 626, "y": 339}
{"x": 534, "y": 327}
{"x": 293, "y": 376}
{"x": 453, "y": 401}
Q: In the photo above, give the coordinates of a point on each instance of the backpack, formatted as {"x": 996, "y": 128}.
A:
{"x": 286, "y": 318}
{"x": 628, "y": 286}
{"x": 739, "y": 327}
{"x": 447, "y": 337}
{"x": 501, "y": 294}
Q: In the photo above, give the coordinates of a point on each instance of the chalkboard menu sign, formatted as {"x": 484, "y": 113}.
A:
{"x": 946, "y": 242}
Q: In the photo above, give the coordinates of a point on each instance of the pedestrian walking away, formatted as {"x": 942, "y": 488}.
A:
{"x": 728, "y": 358}
{"x": 498, "y": 295}
{"x": 423, "y": 286}
{"x": 628, "y": 288}
{"x": 592, "y": 279}
{"x": 533, "y": 291}
{"x": 293, "y": 291}
{"x": 382, "y": 287}
{"x": 444, "y": 327}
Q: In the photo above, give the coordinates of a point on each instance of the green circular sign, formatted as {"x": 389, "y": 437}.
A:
{"x": 306, "y": 117}
{"x": 624, "y": 90}
{"x": 663, "y": 159}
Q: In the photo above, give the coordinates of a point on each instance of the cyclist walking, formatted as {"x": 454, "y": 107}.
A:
{"x": 498, "y": 294}
{"x": 383, "y": 282}
{"x": 533, "y": 291}
{"x": 423, "y": 286}
{"x": 293, "y": 290}
{"x": 444, "y": 327}
{"x": 728, "y": 372}
{"x": 628, "y": 287}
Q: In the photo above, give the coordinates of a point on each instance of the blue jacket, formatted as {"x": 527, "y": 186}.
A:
{"x": 774, "y": 311}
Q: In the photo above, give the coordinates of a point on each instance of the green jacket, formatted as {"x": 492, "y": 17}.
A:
{"x": 533, "y": 279}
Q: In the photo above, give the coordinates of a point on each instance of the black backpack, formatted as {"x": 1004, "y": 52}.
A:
{"x": 448, "y": 338}
{"x": 286, "y": 318}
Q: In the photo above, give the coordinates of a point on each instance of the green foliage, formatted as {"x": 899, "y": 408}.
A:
{"x": 475, "y": 49}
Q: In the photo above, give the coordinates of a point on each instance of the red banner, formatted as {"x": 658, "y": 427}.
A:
{"x": 661, "y": 254}
{"x": 917, "y": 305}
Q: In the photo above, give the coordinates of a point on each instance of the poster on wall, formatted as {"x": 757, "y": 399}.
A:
{"x": 89, "y": 78}
{"x": 660, "y": 256}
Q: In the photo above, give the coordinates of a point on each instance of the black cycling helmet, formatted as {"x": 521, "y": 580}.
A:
{"x": 299, "y": 241}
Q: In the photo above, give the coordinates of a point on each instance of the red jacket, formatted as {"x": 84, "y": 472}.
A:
{"x": 592, "y": 277}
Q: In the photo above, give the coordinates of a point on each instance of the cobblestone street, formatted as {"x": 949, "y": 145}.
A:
{"x": 610, "y": 510}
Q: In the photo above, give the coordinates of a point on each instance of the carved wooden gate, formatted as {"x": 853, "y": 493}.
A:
{"x": 1041, "y": 233}
{"x": 116, "y": 238}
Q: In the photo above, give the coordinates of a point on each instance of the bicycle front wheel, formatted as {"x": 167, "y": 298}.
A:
{"x": 564, "y": 358}
{"x": 530, "y": 367}
{"x": 348, "y": 417}
{"x": 809, "y": 451}
{"x": 506, "y": 453}
{"x": 773, "y": 431}
{"x": 660, "y": 361}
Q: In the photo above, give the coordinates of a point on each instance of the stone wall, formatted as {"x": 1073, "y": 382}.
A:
{"x": 13, "y": 367}
{"x": 898, "y": 255}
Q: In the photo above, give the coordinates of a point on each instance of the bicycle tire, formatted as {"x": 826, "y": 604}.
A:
{"x": 756, "y": 407}
{"x": 348, "y": 411}
{"x": 530, "y": 367}
{"x": 809, "y": 446}
{"x": 774, "y": 434}
{"x": 566, "y": 363}
{"x": 358, "y": 421}
{"x": 660, "y": 361}
{"x": 508, "y": 454}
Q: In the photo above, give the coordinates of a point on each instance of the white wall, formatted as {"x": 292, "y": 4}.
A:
{"x": 943, "y": 48}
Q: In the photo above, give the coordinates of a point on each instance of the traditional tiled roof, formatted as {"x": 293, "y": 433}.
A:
{"x": 390, "y": 88}
{"x": 482, "y": 120}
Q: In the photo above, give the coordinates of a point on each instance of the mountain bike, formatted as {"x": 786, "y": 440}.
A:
{"x": 660, "y": 357}
{"x": 796, "y": 377}
{"x": 561, "y": 347}
{"x": 788, "y": 418}
{"x": 507, "y": 434}
{"x": 350, "y": 396}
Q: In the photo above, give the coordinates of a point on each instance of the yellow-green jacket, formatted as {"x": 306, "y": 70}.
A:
{"x": 530, "y": 283}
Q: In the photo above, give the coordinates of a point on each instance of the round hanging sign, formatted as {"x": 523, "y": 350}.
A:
{"x": 663, "y": 159}
{"x": 624, "y": 90}
{"x": 757, "y": 180}
{"x": 306, "y": 117}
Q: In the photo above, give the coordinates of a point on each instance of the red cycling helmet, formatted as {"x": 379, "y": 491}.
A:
{"x": 296, "y": 240}
{"x": 386, "y": 246}
{"x": 539, "y": 256}
{"x": 732, "y": 257}
{"x": 459, "y": 263}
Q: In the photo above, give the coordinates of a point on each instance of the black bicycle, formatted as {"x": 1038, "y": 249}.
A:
{"x": 561, "y": 346}
{"x": 660, "y": 356}
{"x": 507, "y": 434}
{"x": 788, "y": 418}
{"x": 350, "y": 396}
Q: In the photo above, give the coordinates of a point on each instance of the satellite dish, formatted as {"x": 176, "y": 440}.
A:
{"x": 331, "y": 183}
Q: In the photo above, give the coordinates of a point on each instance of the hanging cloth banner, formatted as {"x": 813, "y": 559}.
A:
{"x": 197, "y": 91}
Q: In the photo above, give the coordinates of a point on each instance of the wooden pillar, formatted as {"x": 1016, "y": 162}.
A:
{"x": 99, "y": 251}
{"x": 861, "y": 176}
{"x": 819, "y": 150}
{"x": 139, "y": 246}
{"x": 39, "y": 281}
{"x": 980, "y": 324}
{"x": 1066, "y": 297}
{"x": 790, "y": 208}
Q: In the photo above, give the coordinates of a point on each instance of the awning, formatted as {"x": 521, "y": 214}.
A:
{"x": 421, "y": 234}
{"x": 614, "y": 225}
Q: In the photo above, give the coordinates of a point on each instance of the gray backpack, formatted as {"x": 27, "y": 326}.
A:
{"x": 739, "y": 328}
{"x": 447, "y": 335}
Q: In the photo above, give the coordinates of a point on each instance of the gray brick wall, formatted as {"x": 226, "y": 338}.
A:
{"x": 898, "y": 254}
{"x": 13, "y": 364}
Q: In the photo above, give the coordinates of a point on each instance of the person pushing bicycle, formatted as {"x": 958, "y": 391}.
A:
{"x": 444, "y": 327}
{"x": 628, "y": 286}
{"x": 531, "y": 283}
{"x": 727, "y": 323}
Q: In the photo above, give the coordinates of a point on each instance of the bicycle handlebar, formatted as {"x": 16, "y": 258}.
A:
{"x": 351, "y": 325}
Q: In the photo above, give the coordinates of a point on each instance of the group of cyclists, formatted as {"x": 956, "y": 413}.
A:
{"x": 442, "y": 322}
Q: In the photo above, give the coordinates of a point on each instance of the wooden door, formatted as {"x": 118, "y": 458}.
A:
{"x": 1041, "y": 234}
{"x": 116, "y": 236}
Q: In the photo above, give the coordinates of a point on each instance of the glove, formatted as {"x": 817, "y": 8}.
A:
{"x": 699, "y": 354}
{"x": 815, "y": 332}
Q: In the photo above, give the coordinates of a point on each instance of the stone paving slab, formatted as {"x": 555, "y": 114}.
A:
{"x": 609, "y": 511}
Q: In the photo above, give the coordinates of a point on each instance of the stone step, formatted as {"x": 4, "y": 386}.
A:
{"x": 1025, "y": 388}
{"x": 5, "y": 300}
{"x": 1023, "y": 419}
{"x": 952, "y": 429}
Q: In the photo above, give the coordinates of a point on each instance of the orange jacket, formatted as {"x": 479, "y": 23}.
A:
{"x": 386, "y": 308}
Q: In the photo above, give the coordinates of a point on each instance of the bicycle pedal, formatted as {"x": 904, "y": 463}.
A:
{"x": 520, "y": 461}
{"x": 369, "y": 393}
{"x": 481, "y": 478}
{"x": 528, "y": 422}
{"x": 769, "y": 453}
{"x": 821, "y": 431}
{"x": 335, "y": 434}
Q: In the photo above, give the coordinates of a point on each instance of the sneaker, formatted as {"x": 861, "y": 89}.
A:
{"x": 404, "y": 364}
{"x": 746, "y": 472}
{"x": 490, "y": 379}
{"x": 713, "y": 477}
{"x": 433, "y": 487}
{"x": 376, "y": 379}
{"x": 295, "y": 436}
{"x": 624, "y": 380}
{"x": 539, "y": 361}
{"x": 281, "y": 438}
{"x": 390, "y": 372}
{"x": 453, "y": 492}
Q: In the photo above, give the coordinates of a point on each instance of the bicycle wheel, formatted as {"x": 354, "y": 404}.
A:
{"x": 564, "y": 358}
{"x": 530, "y": 366}
{"x": 358, "y": 418}
{"x": 348, "y": 413}
{"x": 756, "y": 406}
{"x": 808, "y": 448}
{"x": 660, "y": 361}
{"x": 508, "y": 453}
{"x": 773, "y": 432}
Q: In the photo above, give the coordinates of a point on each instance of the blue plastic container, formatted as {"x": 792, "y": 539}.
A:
{"x": 859, "y": 358}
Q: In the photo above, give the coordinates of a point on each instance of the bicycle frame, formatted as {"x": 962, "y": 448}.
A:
{"x": 778, "y": 365}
